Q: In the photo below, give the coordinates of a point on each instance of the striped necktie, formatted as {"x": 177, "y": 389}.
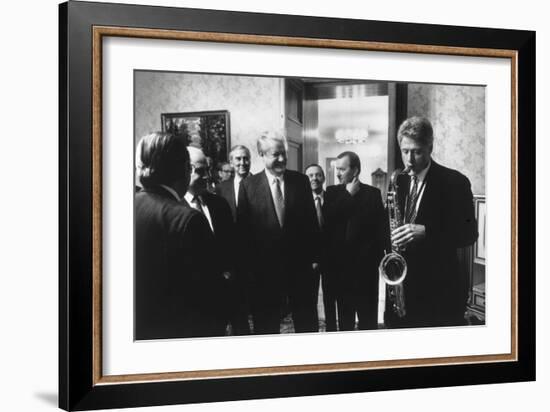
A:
{"x": 197, "y": 204}
{"x": 411, "y": 204}
{"x": 319, "y": 211}
{"x": 279, "y": 202}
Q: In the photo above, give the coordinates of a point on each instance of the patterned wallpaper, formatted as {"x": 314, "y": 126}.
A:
{"x": 457, "y": 114}
{"x": 254, "y": 103}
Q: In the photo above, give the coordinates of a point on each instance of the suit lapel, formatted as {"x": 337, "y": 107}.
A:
{"x": 289, "y": 194}
{"x": 211, "y": 205}
{"x": 427, "y": 196}
{"x": 233, "y": 198}
{"x": 402, "y": 192}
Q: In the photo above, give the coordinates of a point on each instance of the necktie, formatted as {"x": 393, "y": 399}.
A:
{"x": 197, "y": 204}
{"x": 411, "y": 204}
{"x": 279, "y": 202}
{"x": 319, "y": 211}
{"x": 237, "y": 187}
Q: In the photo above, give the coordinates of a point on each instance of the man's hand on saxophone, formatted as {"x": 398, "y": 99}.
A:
{"x": 407, "y": 233}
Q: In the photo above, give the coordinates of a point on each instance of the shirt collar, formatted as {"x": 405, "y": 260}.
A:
{"x": 321, "y": 195}
{"x": 422, "y": 175}
{"x": 271, "y": 177}
{"x": 171, "y": 191}
{"x": 190, "y": 198}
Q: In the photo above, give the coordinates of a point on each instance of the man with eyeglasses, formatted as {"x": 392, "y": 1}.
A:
{"x": 217, "y": 212}
{"x": 225, "y": 172}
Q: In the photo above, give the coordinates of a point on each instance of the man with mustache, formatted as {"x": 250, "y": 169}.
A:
{"x": 217, "y": 212}
{"x": 356, "y": 227}
{"x": 438, "y": 211}
{"x": 278, "y": 227}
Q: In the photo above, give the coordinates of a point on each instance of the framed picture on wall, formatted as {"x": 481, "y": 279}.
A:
{"x": 106, "y": 108}
{"x": 209, "y": 131}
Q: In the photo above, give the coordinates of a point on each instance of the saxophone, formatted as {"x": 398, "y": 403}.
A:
{"x": 393, "y": 267}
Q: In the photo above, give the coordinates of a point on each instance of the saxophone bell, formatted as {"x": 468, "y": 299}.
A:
{"x": 393, "y": 268}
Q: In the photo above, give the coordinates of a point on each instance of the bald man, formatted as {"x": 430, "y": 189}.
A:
{"x": 217, "y": 212}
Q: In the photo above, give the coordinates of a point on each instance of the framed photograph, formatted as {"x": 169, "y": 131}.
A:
{"x": 342, "y": 96}
{"x": 208, "y": 131}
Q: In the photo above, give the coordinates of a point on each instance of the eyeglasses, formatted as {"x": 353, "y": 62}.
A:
{"x": 200, "y": 170}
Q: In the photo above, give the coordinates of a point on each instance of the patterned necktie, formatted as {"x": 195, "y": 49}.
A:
{"x": 411, "y": 204}
{"x": 279, "y": 202}
{"x": 197, "y": 204}
{"x": 319, "y": 211}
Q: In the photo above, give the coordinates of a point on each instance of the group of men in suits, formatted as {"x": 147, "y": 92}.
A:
{"x": 239, "y": 260}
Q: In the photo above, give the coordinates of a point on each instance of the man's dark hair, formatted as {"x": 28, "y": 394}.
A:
{"x": 354, "y": 161}
{"x": 161, "y": 158}
{"x": 222, "y": 164}
{"x": 418, "y": 129}
{"x": 315, "y": 165}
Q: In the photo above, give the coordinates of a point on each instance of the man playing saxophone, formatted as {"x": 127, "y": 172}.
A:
{"x": 436, "y": 204}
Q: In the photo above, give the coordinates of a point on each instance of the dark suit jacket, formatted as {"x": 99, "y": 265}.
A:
{"x": 435, "y": 291}
{"x": 357, "y": 230}
{"x": 224, "y": 230}
{"x": 278, "y": 255}
{"x": 227, "y": 191}
{"x": 177, "y": 284}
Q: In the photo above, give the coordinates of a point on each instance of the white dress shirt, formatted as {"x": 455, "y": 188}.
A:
{"x": 236, "y": 184}
{"x": 321, "y": 195}
{"x": 190, "y": 198}
{"x": 320, "y": 217}
{"x": 271, "y": 179}
{"x": 421, "y": 177}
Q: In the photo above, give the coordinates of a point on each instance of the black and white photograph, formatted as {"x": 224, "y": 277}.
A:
{"x": 149, "y": 260}
{"x": 327, "y": 206}
{"x": 269, "y": 206}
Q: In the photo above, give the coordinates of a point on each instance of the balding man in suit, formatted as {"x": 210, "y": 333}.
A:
{"x": 217, "y": 212}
